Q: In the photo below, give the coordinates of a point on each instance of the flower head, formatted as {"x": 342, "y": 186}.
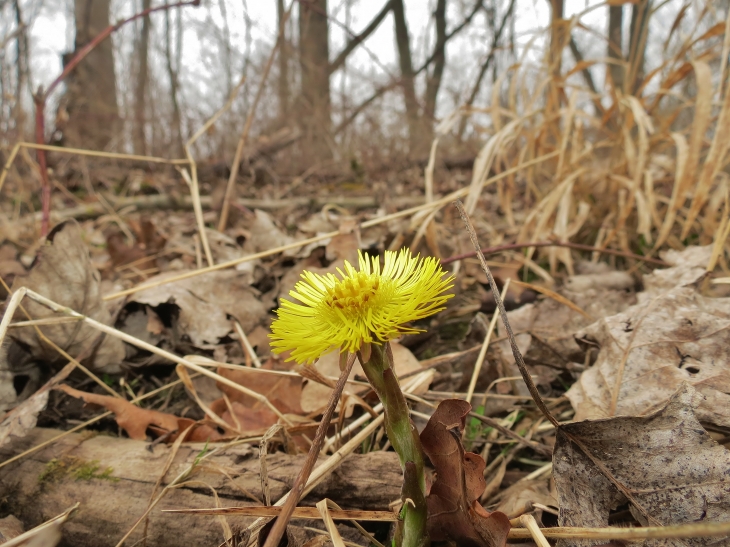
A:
{"x": 371, "y": 305}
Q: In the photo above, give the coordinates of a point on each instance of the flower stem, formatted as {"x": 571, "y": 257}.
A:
{"x": 405, "y": 440}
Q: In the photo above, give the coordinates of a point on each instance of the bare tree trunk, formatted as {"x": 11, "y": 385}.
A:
{"x": 18, "y": 114}
{"x": 283, "y": 87}
{"x": 176, "y": 129}
{"x": 314, "y": 61}
{"x": 433, "y": 82}
{"x": 615, "y": 46}
{"x": 403, "y": 43}
{"x": 92, "y": 89}
{"x": 637, "y": 43}
{"x": 140, "y": 93}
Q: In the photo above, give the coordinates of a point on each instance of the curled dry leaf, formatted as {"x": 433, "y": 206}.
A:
{"x": 62, "y": 271}
{"x": 673, "y": 335}
{"x": 136, "y": 421}
{"x": 454, "y": 511}
{"x": 666, "y": 462}
{"x": 207, "y": 303}
{"x": 24, "y": 417}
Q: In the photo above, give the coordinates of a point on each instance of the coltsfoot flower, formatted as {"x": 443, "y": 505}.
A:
{"x": 366, "y": 306}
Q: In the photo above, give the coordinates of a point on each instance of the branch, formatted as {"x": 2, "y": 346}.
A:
{"x": 359, "y": 38}
{"x": 384, "y": 89}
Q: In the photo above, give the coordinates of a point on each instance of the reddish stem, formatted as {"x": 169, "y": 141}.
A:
{"x": 569, "y": 244}
{"x": 40, "y": 101}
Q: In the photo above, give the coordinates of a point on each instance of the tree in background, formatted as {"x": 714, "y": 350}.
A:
{"x": 314, "y": 98}
{"x": 91, "y": 94}
{"x": 140, "y": 92}
{"x": 403, "y": 42}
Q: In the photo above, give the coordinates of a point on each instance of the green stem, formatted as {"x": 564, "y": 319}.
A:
{"x": 405, "y": 440}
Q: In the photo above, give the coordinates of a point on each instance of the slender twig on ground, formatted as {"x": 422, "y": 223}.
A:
{"x": 297, "y": 489}
{"x": 503, "y": 313}
{"x": 569, "y": 244}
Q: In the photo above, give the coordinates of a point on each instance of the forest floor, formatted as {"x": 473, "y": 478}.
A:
{"x": 137, "y": 375}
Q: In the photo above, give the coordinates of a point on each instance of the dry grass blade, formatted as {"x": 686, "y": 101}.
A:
{"x": 555, "y": 296}
{"x": 46, "y": 534}
{"x": 329, "y": 235}
{"x": 86, "y": 424}
{"x": 529, "y": 522}
{"x": 712, "y": 165}
{"x": 153, "y": 349}
{"x": 485, "y": 346}
{"x": 324, "y": 512}
{"x": 705, "y": 529}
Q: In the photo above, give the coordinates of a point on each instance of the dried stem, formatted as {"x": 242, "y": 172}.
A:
{"x": 277, "y": 531}
{"x": 568, "y": 244}
{"x": 503, "y": 313}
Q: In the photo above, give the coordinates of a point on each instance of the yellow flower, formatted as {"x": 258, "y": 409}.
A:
{"x": 369, "y": 305}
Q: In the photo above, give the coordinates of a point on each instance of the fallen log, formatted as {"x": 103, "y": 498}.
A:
{"x": 113, "y": 479}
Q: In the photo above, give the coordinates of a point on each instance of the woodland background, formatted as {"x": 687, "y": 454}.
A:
{"x": 188, "y": 167}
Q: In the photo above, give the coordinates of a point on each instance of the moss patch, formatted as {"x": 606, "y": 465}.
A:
{"x": 77, "y": 468}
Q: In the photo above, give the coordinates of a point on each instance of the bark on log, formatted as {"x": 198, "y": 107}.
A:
{"x": 47, "y": 482}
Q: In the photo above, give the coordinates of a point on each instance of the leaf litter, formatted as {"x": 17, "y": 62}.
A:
{"x": 673, "y": 336}
{"x": 547, "y": 325}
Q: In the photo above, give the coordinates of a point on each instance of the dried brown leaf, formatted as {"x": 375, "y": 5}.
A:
{"x": 284, "y": 392}
{"x": 667, "y": 462}
{"x": 454, "y": 511}
{"x": 62, "y": 271}
{"x": 206, "y": 304}
{"x": 673, "y": 335}
{"x": 135, "y": 420}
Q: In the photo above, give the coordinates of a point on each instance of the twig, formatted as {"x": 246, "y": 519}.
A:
{"x": 569, "y": 244}
{"x": 694, "y": 530}
{"x": 247, "y": 128}
{"x": 299, "y": 513}
{"x": 529, "y": 522}
{"x": 153, "y": 349}
{"x": 246, "y": 344}
{"x": 297, "y": 490}
{"x": 503, "y": 313}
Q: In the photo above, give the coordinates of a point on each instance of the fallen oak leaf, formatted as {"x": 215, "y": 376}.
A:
{"x": 135, "y": 420}
{"x": 665, "y": 464}
{"x": 454, "y": 511}
{"x": 284, "y": 392}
